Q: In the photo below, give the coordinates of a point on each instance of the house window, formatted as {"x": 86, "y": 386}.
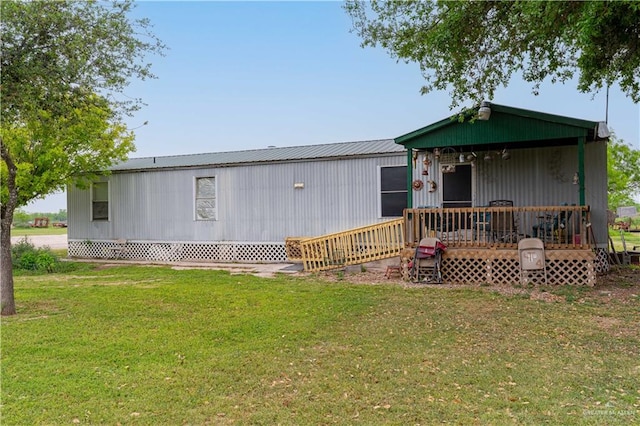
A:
{"x": 206, "y": 198}
{"x": 393, "y": 190}
{"x": 100, "y": 201}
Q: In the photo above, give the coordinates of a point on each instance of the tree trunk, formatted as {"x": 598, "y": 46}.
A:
{"x": 6, "y": 272}
{"x": 7, "y": 301}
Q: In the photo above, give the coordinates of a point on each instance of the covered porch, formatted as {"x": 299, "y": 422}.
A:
{"x": 481, "y": 182}
{"x": 484, "y": 180}
{"x": 517, "y": 160}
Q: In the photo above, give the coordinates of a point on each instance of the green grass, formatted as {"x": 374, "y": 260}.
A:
{"x": 21, "y": 232}
{"x": 150, "y": 346}
{"x": 631, "y": 239}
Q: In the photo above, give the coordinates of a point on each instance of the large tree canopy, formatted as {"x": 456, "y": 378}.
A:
{"x": 50, "y": 49}
{"x": 65, "y": 68}
{"x": 51, "y": 150}
{"x": 473, "y": 47}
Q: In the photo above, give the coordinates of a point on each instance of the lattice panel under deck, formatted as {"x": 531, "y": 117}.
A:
{"x": 503, "y": 271}
{"x": 564, "y": 267}
{"x": 294, "y": 251}
{"x": 220, "y": 251}
{"x": 602, "y": 261}
{"x": 535, "y": 277}
{"x": 465, "y": 270}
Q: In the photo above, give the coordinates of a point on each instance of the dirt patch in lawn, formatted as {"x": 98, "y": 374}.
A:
{"x": 620, "y": 284}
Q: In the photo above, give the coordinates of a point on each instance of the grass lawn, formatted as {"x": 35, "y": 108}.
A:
{"x": 631, "y": 239}
{"x": 21, "y": 232}
{"x": 156, "y": 346}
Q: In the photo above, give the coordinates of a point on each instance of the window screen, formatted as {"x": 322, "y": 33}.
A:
{"x": 206, "y": 198}
{"x": 100, "y": 201}
{"x": 393, "y": 190}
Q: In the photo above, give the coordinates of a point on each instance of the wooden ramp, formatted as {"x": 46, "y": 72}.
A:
{"x": 352, "y": 247}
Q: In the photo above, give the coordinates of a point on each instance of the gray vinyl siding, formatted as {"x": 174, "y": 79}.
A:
{"x": 596, "y": 195}
{"x": 255, "y": 202}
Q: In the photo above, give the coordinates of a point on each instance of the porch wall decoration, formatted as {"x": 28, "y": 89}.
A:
{"x": 555, "y": 165}
{"x": 426, "y": 163}
{"x": 448, "y": 155}
{"x": 417, "y": 185}
{"x": 432, "y": 186}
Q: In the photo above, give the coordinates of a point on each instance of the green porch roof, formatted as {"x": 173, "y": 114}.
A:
{"x": 507, "y": 126}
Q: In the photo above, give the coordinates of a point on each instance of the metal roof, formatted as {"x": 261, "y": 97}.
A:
{"x": 266, "y": 155}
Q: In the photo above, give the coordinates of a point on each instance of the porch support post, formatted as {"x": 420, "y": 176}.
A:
{"x": 581, "y": 142}
{"x": 409, "y": 178}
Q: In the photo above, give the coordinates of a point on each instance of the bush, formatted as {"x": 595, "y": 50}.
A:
{"x": 26, "y": 256}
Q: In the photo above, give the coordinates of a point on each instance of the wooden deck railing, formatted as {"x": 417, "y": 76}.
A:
{"x": 353, "y": 247}
{"x": 560, "y": 227}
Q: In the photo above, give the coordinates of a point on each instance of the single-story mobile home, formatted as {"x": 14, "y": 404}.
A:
{"x": 236, "y": 206}
{"x": 481, "y": 184}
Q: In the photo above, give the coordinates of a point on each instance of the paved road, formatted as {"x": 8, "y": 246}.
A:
{"x": 51, "y": 241}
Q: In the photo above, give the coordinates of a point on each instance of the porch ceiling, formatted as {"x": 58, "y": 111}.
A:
{"x": 506, "y": 127}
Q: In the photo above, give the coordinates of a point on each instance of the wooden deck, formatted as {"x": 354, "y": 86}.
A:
{"x": 482, "y": 243}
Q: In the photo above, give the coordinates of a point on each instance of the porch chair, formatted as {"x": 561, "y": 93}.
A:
{"x": 532, "y": 260}
{"x": 552, "y": 227}
{"x": 426, "y": 263}
{"x": 502, "y": 224}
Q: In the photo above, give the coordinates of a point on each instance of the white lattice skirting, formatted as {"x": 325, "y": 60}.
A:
{"x": 564, "y": 267}
{"x": 166, "y": 251}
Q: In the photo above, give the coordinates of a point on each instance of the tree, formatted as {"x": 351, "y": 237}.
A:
{"x": 473, "y": 47}
{"x": 623, "y": 170}
{"x": 21, "y": 218}
{"x": 65, "y": 66}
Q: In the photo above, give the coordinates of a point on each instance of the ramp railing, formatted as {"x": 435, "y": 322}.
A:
{"x": 353, "y": 247}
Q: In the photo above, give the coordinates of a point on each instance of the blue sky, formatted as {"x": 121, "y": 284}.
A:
{"x": 247, "y": 75}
